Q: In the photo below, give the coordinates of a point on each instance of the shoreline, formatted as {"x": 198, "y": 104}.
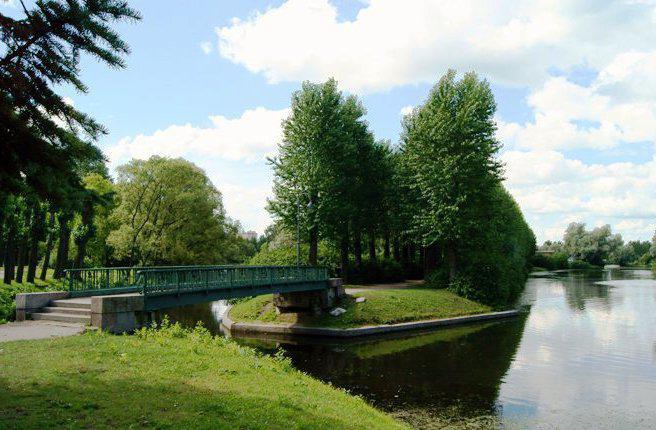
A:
{"x": 300, "y": 330}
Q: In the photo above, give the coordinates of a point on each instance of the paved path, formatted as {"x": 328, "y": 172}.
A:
{"x": 26, "y": 330}
{"x": 405, "y": 284}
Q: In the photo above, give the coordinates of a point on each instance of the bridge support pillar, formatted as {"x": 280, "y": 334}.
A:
{"x": 118, "y": 313}
{"x": 310, "y": 301}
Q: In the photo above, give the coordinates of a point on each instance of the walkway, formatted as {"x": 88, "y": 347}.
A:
{"x": 29, "y": 330}
{"x": 411, "y": 283}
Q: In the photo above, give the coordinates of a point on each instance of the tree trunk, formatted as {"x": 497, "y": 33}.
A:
{"x": 36, "y": 232}
{"x": 396, "y": 247}
{"x": 48, "y": 250}
{"x": 431, "y": 254}
{"x": 9, "y": 256}
{"x": 344, "y": 255}
{"x": 87, "y": 220}
{"x": 372, "y": 246}
{"x": 23, "y": 246}
{"x": 314, "y": 246}
{"x": 357, "y": 248}
{"x": 450, "y": 251}
{"x": 62, "y": 248}
{"x": 386, "y": 248}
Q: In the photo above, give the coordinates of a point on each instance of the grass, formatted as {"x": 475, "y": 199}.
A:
{"x": 380, "y": 307}
{"x": 8, "y": 292}
{"x": 167, "y": 379}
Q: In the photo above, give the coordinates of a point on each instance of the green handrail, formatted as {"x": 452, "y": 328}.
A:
{"x": 178, "y": 279}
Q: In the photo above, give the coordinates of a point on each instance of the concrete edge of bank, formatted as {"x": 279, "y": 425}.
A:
{"x": 297, "y": 330}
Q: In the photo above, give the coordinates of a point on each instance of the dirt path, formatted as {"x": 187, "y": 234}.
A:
{"x": 405, "y": 284}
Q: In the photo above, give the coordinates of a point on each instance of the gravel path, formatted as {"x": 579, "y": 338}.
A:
{"x": 27, "y": 330}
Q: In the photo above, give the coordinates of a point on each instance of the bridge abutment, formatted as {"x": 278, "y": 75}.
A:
{"x": 310, "y": 301}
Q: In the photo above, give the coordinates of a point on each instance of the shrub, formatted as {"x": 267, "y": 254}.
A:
{"x": 8, "y": 297}
{"x": 556, "y": 261}
{"x": 385, "y": 270}
{"x": 286, "y": 256}
{"x": 582, "y": 265}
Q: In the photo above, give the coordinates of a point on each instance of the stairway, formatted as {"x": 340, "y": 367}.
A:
{"x": 67, "y": 310}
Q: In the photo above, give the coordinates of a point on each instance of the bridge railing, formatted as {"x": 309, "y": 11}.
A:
{"x": 177, "y": 280}
{"x": 166, "y": 279}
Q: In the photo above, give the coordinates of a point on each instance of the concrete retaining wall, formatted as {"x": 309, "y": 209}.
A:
{"x": 31, "y": 302}
{"x": 292, "y": 329}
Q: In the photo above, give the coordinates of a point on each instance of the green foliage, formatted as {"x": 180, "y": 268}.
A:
{"x": 45, "y": 140}
{"x": 582, "y": 265}
{"x": 500, "y": 259}
{"x": 555, "y": 261}
{"x": 594, "y": 247}
{"x": 285, "y": 255}
{"x": 170, "y": 213}
{"x": 450, "y": 148}
{"x": 168, "y": 378}
{"x": 380, "y": 307}
{"x": 8, "y": 295}
{"x": 377, "y": 271}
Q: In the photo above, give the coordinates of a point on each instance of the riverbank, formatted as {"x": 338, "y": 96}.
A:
{"x": 171, "y": 378}
{"x": 380, "y": 307}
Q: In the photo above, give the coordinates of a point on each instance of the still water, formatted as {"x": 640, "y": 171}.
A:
{"x": 583, "y": 356}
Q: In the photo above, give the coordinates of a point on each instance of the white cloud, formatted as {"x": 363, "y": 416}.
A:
{"x": 249, "y": 138}
{"x": 546, "y": 183}
{"x": 206, "y": 47}
{"x": 232, "y": 152}
{"x": 392, "y": 43}
{"x": 406, "y": 110}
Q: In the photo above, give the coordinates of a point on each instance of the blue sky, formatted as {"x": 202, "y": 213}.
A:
{"x": 574, "y": 83}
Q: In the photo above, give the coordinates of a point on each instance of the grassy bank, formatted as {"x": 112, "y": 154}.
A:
{"x": 8, "y": 293}
{"x": 167, "y": 379}
{"x": 380, "y": 307}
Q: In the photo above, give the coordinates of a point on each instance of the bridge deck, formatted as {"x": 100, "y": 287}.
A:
{"x": 167, "y": 286}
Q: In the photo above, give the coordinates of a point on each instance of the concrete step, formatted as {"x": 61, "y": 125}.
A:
{"x": 81, "y": 303}
{"x": 81, "y": 319}
{"x": 68, "y": 311}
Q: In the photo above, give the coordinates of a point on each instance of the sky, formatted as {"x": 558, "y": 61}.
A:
{"x": 574, "y": 81}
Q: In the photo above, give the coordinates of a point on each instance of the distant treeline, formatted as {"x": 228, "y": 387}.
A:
{"x": 582, "y": 248}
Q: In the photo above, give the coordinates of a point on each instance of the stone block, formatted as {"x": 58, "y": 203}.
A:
{"x": 118, "y": 313}
{"x": 29, "y": 302}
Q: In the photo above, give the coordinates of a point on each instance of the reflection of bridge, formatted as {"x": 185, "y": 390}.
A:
{"x": 121, "y": 298}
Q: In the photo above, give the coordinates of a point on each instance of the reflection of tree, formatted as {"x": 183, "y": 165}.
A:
{"x": 580, "y": 287}
{"x": 462, "y": 372}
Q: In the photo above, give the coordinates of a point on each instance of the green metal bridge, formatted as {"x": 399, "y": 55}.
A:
{"x": 164, "y": 287}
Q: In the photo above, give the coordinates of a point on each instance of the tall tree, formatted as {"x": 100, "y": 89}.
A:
{"x": 36, "y": 235}
{"x": 450, "y": 148}
{"x": 50, "y": 229}
{"x": 306, "y": 168}
{"x": 169, "y": 213}
{"x": 44, "y": 137}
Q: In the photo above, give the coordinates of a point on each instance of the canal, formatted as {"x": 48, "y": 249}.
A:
{"x": 583, "y": 356}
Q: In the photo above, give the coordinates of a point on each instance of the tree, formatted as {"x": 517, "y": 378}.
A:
{"x": 593, "y": 247}
{"x": 309, "y": 174}
{"x": 168, "y": 213}
{"x": 450, "y": 149}
{"x": 44, "y": 138}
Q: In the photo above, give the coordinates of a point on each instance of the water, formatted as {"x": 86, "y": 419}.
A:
{"x": 584, "y": 356}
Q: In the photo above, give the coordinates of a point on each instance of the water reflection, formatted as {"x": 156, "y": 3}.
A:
{"x": 584, "y": 357}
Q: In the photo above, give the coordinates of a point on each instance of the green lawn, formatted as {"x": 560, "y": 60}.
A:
{"x": 167, "y": 379}
{"x": 380, "y": 307}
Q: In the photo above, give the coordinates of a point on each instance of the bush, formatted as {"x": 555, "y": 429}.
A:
{"x": 8, "y": 297}
{"x": 495, "y": 259}
{"x": 286, "y": 256}
{"x": 582, "y": 265}
{"x": 556, "y": 261}
{"x": 385, "y": 270}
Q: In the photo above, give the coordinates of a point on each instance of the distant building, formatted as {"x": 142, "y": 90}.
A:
{"x": 249, "y": 235}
